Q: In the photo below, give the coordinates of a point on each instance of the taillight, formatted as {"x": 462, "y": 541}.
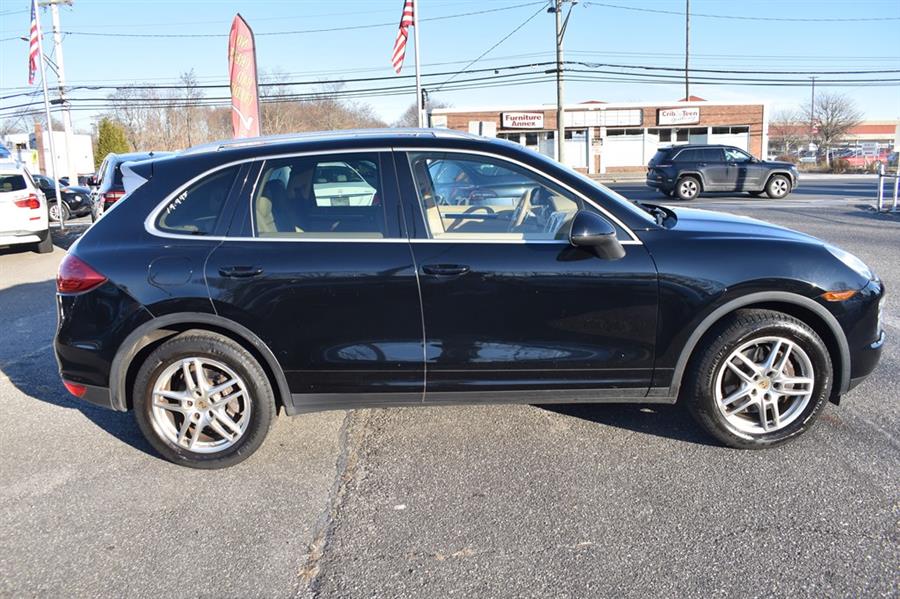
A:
{"x": 113, "y": 196}
{"x": 76, "y": 276}
{"x": 75, "y": 389}
{"x": 31, "y": 202}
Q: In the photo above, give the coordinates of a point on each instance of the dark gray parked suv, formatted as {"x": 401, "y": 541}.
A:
{"x": 685, "y": 171}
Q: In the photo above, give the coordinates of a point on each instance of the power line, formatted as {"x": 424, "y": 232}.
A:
{"x": 298, "y": 31}
{"x": 489, "y": 50}
{"x": 745, "y": 18}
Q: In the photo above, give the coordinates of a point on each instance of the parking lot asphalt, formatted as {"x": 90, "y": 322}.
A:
{"x": 487, "y": 501}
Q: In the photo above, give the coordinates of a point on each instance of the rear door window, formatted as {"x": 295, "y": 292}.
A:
{"x": 333, "y": 196}
{"x": 197, "y": 209}
{"x": 713, "y": 155}
{"x": 687, "y": 156}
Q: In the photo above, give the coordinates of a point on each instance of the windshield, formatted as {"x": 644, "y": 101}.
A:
{"x": 618, "y": 198}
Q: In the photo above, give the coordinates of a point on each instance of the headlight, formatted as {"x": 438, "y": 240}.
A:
{"x": 851, "y": 261}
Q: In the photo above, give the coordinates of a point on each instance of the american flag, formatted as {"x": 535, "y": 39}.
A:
{"x": 402, "y": 35}
{"x": 33, "y": 47}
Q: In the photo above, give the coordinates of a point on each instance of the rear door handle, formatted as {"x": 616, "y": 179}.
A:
{"x": 240, "y": 272}
{"x": 445, "y": 270}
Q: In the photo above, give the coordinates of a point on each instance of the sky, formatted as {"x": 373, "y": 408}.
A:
{"x": 617, "y": 32}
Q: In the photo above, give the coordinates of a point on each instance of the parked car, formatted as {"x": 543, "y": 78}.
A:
{"x": 107, "y": 187}
{"x": 808, "y": 157}
{"x": 205, "y": 303}
{"x": 687, "y": 171}
{"x": 76, "y": 200}
{"x": 860, "y": 160}
{"x": 23, "y": 209}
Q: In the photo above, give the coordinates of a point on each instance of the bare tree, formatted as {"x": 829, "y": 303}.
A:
{"x": 409, "y": 118}
{"x": 833, "y": 115}
{"x": 787, "y": 130}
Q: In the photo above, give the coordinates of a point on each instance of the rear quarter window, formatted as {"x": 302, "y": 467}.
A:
{"x": 197, "y": 209}
{"x": 12, "y": 182}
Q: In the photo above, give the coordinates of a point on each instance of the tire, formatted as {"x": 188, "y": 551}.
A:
{"x": 45, "y": 245}
{"x": 687, "y": 188}
{"x": 53, "y": 212}
{"x": 778, "y": 187}
{"x": 250, "y": 411}
{"x": 715, "y": 394}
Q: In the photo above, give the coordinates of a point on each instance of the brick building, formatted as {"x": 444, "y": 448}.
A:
{"x": 608, "y": 138}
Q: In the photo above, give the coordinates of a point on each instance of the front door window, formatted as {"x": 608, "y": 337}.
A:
{"x": 477, "y": 197}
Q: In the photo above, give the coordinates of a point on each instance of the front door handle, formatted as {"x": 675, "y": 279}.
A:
{"x": 445, "y": 270}
{"x": 240, "y": 272}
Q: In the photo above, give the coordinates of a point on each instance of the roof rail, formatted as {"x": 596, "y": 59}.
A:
{"x": 246, "y": 142}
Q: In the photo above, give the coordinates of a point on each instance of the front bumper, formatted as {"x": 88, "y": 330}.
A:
{"x": 867, "y": 335}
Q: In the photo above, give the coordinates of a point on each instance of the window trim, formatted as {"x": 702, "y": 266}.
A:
{"x": 149, "y": 222}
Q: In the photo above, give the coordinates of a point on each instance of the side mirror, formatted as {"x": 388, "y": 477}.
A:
{"x": 592, "y": 231}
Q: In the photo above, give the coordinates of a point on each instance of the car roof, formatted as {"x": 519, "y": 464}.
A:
{"x": 292, "y": 141}
{"x": 136, "y": 156}
{"x": 695, "y": 146}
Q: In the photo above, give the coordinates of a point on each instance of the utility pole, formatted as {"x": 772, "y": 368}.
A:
{"x": 420, "y": 100}
{"x": 37, "y": 18}
{"x": 812, "y": 114}
{"x": 560, "y": 109}
{"x": 70, "y": 171}
{"x": 687, "y": 49}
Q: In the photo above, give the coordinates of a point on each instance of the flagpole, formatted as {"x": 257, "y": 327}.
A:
{"x": 37, "y": 20}
{"x": 420, "y": 108}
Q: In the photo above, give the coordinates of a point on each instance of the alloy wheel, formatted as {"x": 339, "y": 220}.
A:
{"x": 779, "y": 187}
{"x": 764, "y": 385}
{"x": 689, "y": 188}
{"x": 200, "y": 404}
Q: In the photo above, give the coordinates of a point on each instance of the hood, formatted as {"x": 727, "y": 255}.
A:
{"x": 76, "y": 189}
{"x": 720, "y": 224}
{"x": 778, "y": 164}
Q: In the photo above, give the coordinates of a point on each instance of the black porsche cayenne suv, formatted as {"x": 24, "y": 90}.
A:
{"x": 328, "y": 272}
{"x": 686, "y": 171}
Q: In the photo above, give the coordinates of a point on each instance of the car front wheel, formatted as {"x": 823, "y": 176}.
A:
{"x": 760, "y": 378}
{"x": 54, "y": 212}
{"x": 203, "y": 401}
{"x": 778, "y": 187}
{"x": 687, "y": 188}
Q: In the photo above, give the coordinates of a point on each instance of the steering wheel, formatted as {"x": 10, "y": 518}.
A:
{"x": 523, "y": 209}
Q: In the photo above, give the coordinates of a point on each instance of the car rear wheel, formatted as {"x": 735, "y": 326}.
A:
{"x": 687, "y": 188}
{"x": 54, "y": 212}
{"x": 760, "y": 378}
{"x": 778, "y": 187}
{"x": 203, "y": 401}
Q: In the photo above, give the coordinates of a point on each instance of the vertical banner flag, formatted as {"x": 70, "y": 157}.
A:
{"x": 33, "y": 46}
{"x": 402, "y": 35}
{"x": 242, "y": 74}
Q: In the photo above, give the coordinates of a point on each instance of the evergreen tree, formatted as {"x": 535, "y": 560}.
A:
{"x": 110, "y": 139}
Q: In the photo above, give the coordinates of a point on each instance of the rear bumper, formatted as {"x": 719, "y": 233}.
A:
{"x": 20, "y": 237}
{"x": 658, "y": 182}
{"x": 98, "y": 396}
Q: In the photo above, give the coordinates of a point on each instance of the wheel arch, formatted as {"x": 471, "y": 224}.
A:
{"x": 148, "y": 336}
{"x": 798, "y": 306}
{"x": 694, "y": 174}
{"x": 783, "y": 173}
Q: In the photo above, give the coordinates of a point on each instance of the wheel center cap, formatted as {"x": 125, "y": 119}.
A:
{"x": 202, "y": 405}
{"x": 764, "y": 384}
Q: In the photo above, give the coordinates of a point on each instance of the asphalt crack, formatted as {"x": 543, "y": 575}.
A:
{"x": 352, "y": 435}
